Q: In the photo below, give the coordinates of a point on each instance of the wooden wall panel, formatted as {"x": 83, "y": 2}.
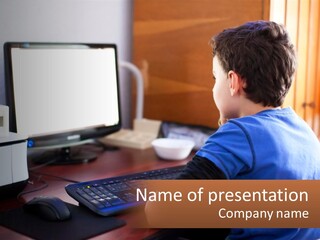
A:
{"x": 302, "y": 46}
{"x": 171, "y": 47}
{"x": 312, "y": 101}
{"x": 301, "y": 18}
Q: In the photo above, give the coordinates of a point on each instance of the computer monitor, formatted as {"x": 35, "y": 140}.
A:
{"x": 61, "y": 95}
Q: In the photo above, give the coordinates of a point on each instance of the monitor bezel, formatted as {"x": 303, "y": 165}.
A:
{"x": 62, "y": 139}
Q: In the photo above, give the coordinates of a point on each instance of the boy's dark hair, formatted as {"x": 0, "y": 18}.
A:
{"x": 262, "y": 54}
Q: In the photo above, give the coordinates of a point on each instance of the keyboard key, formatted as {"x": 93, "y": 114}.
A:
{"x": 116, "y": 201}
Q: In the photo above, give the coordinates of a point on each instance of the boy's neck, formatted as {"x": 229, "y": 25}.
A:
{"x": 251, "y": 108}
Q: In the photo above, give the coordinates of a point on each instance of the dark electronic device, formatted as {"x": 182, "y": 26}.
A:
{"x": 112, "y": 195}
{"x": 61, "y": 95}
{"x": 48, "y": 208}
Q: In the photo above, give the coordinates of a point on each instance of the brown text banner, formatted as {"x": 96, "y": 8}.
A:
{"x": 231, "y": 203}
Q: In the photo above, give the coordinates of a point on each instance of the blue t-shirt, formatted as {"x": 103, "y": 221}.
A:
{"x": 272, "y": 144}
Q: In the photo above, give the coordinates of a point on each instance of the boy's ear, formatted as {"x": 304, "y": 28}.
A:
{"x": 235, "y": 84}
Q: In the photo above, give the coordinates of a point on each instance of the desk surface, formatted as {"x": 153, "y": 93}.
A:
{"x": 108, "y": 164}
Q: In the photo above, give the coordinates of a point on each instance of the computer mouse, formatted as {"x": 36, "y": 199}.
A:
{"x": 48, "y": 208}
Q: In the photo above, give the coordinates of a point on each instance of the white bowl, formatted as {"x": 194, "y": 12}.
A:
{"x": 172, "y": 149}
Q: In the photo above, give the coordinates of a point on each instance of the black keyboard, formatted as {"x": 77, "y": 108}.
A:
{"x": 112, "y": 195}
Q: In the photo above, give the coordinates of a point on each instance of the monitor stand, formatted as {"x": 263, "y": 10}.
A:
{"x": 65, "y": 155}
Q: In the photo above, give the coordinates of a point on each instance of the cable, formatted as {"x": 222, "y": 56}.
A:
{"x": 38, "y": 178}
{"x": 139, "y": 79}
{"x": 41, "y": 165}
{"x": 54, "y": 176}
{"x": 43, "y": 186}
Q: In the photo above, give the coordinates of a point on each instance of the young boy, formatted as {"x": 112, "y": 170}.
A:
{"x": 253, "y": 68}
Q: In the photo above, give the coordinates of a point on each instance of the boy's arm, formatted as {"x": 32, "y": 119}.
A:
{"x": 201, "y": 168}
{"x": 197, "y": 168}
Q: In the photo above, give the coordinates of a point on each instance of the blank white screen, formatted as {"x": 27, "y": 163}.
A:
{"x": 61, "y": 90}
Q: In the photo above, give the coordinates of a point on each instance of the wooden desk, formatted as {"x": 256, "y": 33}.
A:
{"x": 108, "y": 164}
